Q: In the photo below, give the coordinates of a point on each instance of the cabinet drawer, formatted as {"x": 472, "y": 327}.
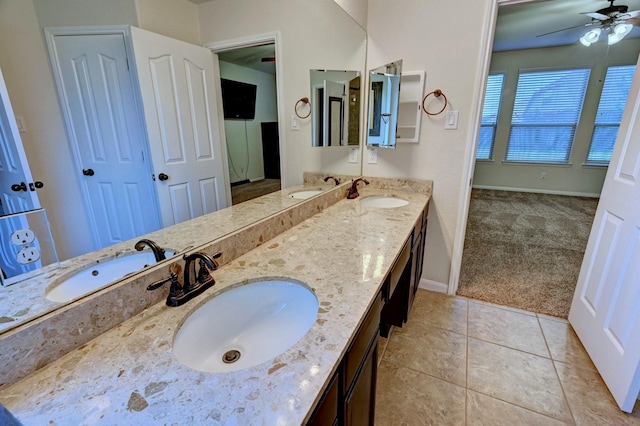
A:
{"x": 360, "y": 344}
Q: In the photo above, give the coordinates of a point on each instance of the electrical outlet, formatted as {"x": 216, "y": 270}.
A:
{"x": 22, "y": 237}
{"x": 28, "y": 255}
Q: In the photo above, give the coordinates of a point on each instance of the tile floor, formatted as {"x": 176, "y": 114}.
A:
{"x": 460, "y": 361}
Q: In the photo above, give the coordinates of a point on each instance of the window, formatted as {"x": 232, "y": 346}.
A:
{"x": 490, "y": 112}
{"x": 545, "y": 114}
{"x": 615, "y": 91}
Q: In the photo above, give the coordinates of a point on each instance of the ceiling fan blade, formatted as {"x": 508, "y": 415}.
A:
{"x": 596, "y": 15}
{"x": 564, "y": 29}
{"x": 630, "y": 15}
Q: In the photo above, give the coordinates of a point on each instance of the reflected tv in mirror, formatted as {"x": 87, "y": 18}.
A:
{"x": 238, "y": 100}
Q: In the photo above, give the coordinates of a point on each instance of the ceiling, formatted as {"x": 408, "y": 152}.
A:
{"x": 519, "y": 25}
{"x": 261, "y": 58}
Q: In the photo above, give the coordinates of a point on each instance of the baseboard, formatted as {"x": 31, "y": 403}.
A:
{"x": 240, "y": 182}
{"x": 256, "y": 179}
{"x": 538, "y": 191}
{"x": 433, "y": 285}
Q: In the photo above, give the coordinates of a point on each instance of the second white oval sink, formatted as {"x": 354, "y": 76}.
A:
{"x": 99, "y": 275}
{"x": 384, "y": 202}
{"x": 246, "y": 325}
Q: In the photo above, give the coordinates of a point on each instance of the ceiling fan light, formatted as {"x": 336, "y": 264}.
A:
{"x": 618, "y": 33}
{"x": 590, "y": 37}
{"x": 623, "y": 29}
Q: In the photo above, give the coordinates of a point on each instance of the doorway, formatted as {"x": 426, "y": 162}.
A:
{"x": 528, "y": 221}
{"x": 249, "y": 96}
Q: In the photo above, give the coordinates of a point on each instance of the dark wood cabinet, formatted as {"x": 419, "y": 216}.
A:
{"x": 349, "y": 399}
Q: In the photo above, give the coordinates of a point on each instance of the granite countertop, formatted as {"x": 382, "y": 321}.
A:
{"x": 24, "y": 301}
{"x": 129, "y": 375}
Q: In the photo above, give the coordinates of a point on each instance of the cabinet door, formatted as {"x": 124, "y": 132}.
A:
{"x": 326, "y": 413}
{"x": 360, "y": 402}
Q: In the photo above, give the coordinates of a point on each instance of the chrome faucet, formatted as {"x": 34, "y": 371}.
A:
{"x": 352, "y": 192}
{"x": 158, "y": 252}
{"x": 337, "y": 181}
{"x": 180, "y": 294}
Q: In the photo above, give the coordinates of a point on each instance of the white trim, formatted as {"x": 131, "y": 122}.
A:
{"x": 539, "y": 191}
{"x": 467, "y": 175}
{"x": 433, "y": 285}
{"x": 256, "y": 179}
{"x": 258, "y": 40}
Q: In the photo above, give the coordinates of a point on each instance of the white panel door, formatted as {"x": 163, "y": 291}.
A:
{"x": 14, "y": 168}
{"x": 605, "y": 312}
{"x": 177, "y": 86}
{"x": 107, "y": 135}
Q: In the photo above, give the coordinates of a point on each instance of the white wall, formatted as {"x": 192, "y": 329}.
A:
{"x": 314, "y": 34}
{"x": 173, "y": 18}
{"x": 25, "y": 64}
{"x": 357, "y": 9}
{"x": 246, "y": 143}
{"x": 58, "y": 13}
{"x": 572, "y": 179}
{"x": 422, "y": 35}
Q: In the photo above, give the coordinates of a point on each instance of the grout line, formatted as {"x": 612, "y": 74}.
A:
{"x": 553, "y": 363}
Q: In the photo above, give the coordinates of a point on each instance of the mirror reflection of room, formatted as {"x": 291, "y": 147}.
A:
{"x": 384, "y": 94}
{"x": 335, "y": 107}
{"x": 249, "y": 87}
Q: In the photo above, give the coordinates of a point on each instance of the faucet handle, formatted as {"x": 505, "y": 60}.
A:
{"x": 173, "y": 279}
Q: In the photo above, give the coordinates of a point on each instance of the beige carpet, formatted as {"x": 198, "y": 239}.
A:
{"x": 251, "y": 190}
{"x": 525, "y": 250}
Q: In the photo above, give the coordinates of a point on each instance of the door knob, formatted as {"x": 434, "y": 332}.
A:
{"x": 88, "y": 172}
{"x": 163, "y": 177}
{"x": 37, "y": 184}
{"x": 19, "y": 187}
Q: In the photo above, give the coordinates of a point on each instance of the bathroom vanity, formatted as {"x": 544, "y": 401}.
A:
{"x": 363, "y": 265}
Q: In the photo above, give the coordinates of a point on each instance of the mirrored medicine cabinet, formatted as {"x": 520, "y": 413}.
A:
{"x": 384, "y": 97}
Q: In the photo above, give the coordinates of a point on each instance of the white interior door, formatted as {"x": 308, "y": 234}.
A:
{"x": 14, "y": 168}
{"x": 107, "y": 134}
{"x": 177, "y": 87}
{"x": 605, "y": 312}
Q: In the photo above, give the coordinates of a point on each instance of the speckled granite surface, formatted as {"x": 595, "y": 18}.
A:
{"x": 129, "y": 375}
{"x": 24, "y": 301}
{"x": 30, "y": 346}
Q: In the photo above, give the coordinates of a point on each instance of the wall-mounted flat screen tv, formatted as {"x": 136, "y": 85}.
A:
{"x": 238, "y": 100}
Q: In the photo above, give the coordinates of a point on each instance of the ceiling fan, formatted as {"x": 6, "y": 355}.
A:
{"x": 615, "y": 20}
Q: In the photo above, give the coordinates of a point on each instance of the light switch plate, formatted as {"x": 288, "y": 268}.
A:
{"x": 353, "y": 155}
{"x": 295, "y": 125}
{"x": 451, "y": 120}
{"x": 372, "y": 156}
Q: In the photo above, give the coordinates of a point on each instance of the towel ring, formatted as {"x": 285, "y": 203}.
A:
{"x": 437, "y": 93}
{"x": 304, "y": 101}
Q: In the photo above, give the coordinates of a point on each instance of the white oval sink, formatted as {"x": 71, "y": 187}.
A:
{"x": 384, "y": 202}
{"x": 99, "y": 275}
{"x": 246, "y": 325}
{"x": 303, "y": 195}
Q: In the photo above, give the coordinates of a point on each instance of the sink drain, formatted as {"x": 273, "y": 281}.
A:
{"x": 231, "y": 356}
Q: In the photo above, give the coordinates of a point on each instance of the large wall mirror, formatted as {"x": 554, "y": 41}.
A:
{"x": 27, "y": 72}
{"x": 384, "y": 99}
{"x": 335, "y": 107}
